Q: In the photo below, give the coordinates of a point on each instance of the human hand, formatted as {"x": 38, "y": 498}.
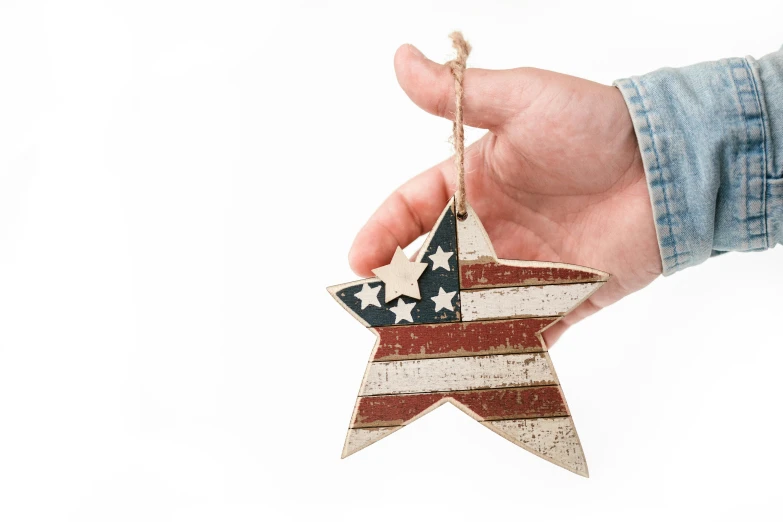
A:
{"x": 558, "y": 177}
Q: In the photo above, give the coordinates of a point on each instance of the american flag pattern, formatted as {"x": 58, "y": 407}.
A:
{"x": 473, "y": 339}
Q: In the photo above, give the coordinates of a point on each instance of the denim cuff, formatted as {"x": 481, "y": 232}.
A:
{"x": 710, "y": 136}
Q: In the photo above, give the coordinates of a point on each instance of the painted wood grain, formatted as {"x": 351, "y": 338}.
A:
{"x": 445, "y": 225}
{"x": 494, "y": 274}
{"x": 554, "y": 439}
{"x": 471, "y": 338}
{"x": 424, "y": 341}
{"x": 400, "y": 276}
{"x": 458, "y": 373}
{"x": 473, "y": 241}
{"x": 504, "y": 403}
{"x": 436, "y": 278}
{"x": 497, "y": 303}
{"x": 360, "y": 438}
{"x": 429, "y": 284}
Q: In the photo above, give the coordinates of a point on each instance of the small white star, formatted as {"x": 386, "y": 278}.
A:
{"x": 401, "y": 276}
{"x": 440, "y": 259}
{"x": 369, "y": 295}
{"x": 443, "y": 300}
{"x": 402, "y": 312}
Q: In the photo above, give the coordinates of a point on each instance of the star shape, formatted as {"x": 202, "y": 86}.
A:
{"x": 402, "y": 312}
{"x": 479, "y": 347}
{"x": 401, "y": 276}
{"x": 443, "y": 299}
{"x": 440, "y": 259}
{"x": 368, "y": 295}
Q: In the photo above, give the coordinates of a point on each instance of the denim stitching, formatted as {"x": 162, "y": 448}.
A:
{"x": 764, "y": 151}
{"x": 744, "y": 181}
{"x": 661, "y": 181}
{"x": 749, "y": 146}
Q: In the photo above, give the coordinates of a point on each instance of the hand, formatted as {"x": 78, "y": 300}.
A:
{"x": 558, "y": 177}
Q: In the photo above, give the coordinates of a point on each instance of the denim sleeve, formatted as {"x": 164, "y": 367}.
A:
{"x": 711, "y": 139}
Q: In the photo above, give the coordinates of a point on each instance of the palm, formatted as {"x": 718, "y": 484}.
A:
{"x": 558, "y": 177}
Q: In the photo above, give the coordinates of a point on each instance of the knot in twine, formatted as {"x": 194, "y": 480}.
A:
{"x": 457, "y": 66}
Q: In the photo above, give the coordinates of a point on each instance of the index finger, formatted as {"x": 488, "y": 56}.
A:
{"x": 407, "y": 213}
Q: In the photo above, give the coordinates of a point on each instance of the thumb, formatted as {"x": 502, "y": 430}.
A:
{"x": 491, "y": 97}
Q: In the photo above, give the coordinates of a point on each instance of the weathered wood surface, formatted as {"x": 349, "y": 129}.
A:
{"x": 403, "y": 312}
{"x": 554, "y": 439}
{"x": 471, "y": 337}
{"x": 474, "y": 244}
{"x": 423, "y": 341}
{"x": 359, "y": 438}
{"x": 434, "y": 277}
{"x": 444, "y": 235}
{"x": 523, "y": 301}
{"x": 493, "y": 404}
{"x": 502, "y": 273}
{"x": 458, "y": 373}
{"x": 401, "y": 276}
{"x": 481, "y": 268}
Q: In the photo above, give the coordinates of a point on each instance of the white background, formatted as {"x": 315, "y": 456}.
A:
{"x": 180, "y": 181}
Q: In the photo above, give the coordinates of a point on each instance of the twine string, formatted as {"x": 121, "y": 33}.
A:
{"x": 457, "y": 66}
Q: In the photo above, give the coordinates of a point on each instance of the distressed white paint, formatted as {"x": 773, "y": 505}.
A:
{"x": 368, "y": 295}
{"x": 402, "y": 312}
{"x": 440, "y": 259}
{"x": 472, "y": 240}
{"x": 474, "y": 245}
{"x": 360, "y": 438}
{"x": 554, "y": 439}
{"x": 334, "y": 289}
{"x": 523, "y": 301}
{"x": 458, "y": 373}
{"x": 444, "y": 299}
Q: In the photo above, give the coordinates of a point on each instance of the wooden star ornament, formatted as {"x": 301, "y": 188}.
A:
{"x": 458, "y": 325}
{"x": 401, "y": 276}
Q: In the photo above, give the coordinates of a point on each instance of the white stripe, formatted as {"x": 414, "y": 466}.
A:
{"x": 523, "y": 301}
{"x": 554, "y": 439}
{"x": 472, "y": 240}
{"x": 360, "y": 438}
{"x": 458, "y": 373}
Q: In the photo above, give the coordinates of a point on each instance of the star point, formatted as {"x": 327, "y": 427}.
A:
{"x": 443, "y": 300}
{"x": 440, "y": 259}
{"x": 368, "y": 295}
{"x": 402, "y": 312}
{"x": 401, "y": 276}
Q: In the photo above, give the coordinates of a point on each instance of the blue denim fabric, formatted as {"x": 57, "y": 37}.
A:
{"x": 711, "y": 138}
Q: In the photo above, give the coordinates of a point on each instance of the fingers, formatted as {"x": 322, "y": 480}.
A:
{"x": 491, "y": 97}
{"x": 405, "y": 215}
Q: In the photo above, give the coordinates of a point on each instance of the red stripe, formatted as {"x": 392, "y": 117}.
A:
{"x": 496, "y": 404}
{"x": 488, "y": 275}
{"x": 425, "y": 341}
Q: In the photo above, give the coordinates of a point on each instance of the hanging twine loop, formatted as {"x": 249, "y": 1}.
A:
{"x": 457, "y": 66}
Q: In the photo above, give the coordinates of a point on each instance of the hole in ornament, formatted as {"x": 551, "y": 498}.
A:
{"x": 462, "y": 216}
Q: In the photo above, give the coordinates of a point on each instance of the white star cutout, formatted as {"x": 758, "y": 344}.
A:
{"x": 402, "y": 312}
{"x": 401, "y": 276}
{"x": 369, "y": 295}
{"x": 440, "y": 259}
{"x": 443, "y": 300}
